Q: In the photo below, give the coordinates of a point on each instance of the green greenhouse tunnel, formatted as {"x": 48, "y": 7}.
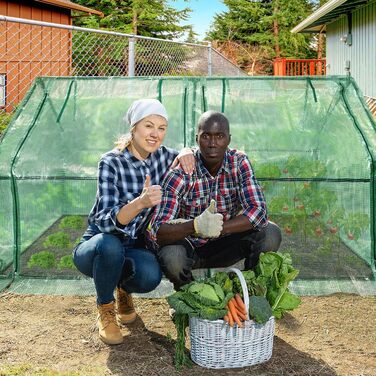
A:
{"x": 311, "y": 141}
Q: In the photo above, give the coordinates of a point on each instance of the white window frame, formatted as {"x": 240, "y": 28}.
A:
{"x": 2, "y": 89}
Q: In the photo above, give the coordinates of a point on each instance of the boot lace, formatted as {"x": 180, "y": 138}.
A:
{"x": 125, "y": 300}
{"x": 107, "y": 317}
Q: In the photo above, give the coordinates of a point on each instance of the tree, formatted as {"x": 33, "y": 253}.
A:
{"x": 254, "y": 59}
{"x": 265, "y": 24}
{"x": 151, "y": 18}
{"x": 192, "y": 36}
{"x": 321, "y": 36}
{"x": 106, "y": 55}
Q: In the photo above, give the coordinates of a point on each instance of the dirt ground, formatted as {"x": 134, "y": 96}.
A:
{"x": 55, "y": 335}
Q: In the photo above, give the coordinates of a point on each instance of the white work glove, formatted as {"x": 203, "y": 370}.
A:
{"x": 177, "y": 221}
{"x": 209, "y": 224}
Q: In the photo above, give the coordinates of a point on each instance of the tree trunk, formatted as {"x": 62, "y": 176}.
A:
{"x": 134, "y": 21}
{"x": 276, "y": 34}
{"x": 320, "y": 43}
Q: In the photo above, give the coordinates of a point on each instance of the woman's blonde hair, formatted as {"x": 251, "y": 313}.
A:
{"x": 123, "y": 141}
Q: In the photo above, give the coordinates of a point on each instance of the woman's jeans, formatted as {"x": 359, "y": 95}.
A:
{"x": 113, "y": 262}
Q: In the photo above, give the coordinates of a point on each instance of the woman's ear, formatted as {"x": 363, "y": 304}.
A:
{"x": 196, "y": 139}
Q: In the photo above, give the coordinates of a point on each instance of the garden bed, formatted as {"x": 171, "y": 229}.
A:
{"x": 55, "y": 335}
{"x": 314, "y": 257}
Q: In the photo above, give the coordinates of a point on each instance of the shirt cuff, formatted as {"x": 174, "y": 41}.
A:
{"x": 127, "y": 229}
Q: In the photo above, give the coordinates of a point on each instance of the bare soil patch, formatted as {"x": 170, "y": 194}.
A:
{"x": 55, "y": 335}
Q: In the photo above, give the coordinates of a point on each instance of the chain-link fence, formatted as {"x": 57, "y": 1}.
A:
{"x": 29, "y": 49}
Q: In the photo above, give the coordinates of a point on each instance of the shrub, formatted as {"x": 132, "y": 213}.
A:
{"x": 66, "y": 262}
{"x": 76, "y": 242}
{"x": 43, "y": 259}
{"x": 74, "y": 222}
{"x": 5, "y": 119}
{"x": 58, "y": 239}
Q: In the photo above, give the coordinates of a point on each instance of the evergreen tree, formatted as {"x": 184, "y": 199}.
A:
{"x": 152, "y": 18}
{"x": 192, "y": 36}
{"x": 267, "y": 24}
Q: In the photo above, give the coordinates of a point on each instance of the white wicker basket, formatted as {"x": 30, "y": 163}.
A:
{"x": 215, "y": 344}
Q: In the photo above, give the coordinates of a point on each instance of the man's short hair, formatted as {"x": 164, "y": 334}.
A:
{"x": 211, "y": 117}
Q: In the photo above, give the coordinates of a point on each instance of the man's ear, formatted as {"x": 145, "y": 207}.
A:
{"x": 196, "y": 139}
{"x": 229, "y": 138}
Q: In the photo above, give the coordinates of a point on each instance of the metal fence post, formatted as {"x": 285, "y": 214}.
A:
{"x": 209, "y": 59}
{"x": 131, "y": 54}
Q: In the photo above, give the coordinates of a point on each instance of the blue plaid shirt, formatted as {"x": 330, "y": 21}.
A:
{"x": 121, "y": 179}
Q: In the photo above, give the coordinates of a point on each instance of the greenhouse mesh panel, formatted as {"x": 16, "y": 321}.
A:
{"x": 311, "y": 141}
{"x": 85, "y": 287}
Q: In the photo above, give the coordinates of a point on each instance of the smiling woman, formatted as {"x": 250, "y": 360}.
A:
{"x": 112, "y": 250}
{"x": 147, "y": 136}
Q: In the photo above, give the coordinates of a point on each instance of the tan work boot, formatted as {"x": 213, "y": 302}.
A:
{"x": 125, "y": 308}
{"x": 109, "y": 331}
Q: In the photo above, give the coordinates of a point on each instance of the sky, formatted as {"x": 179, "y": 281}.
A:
{"x": 202, "y": 14}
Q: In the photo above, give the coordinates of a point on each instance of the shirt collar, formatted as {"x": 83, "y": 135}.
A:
{"x": 203, "y": 170}
{"x": 136, "y": 163}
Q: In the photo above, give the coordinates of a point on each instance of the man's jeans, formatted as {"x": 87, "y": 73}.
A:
{"x": 178, "y": 260}
{"x": 112, "y": 263}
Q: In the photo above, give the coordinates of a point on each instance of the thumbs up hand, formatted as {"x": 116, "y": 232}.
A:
{"x": 212, "y": 207}
{"x": 151, "y": 195}
{"x": 209, "y": 224}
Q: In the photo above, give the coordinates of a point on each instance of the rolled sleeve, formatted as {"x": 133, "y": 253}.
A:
{"x": 172, "y": 187}
{"x": 108, "y": 202}
{"x": 251, "y": 197}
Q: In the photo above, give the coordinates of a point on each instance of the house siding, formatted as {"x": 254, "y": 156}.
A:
{"x": 362, "y": 52}
{"x": 25, "y": 49}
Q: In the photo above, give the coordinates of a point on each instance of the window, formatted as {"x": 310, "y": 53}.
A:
{"x": 2, "y": 90}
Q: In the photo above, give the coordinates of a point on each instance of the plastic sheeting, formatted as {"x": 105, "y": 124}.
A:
{"x": 311, "y": 141}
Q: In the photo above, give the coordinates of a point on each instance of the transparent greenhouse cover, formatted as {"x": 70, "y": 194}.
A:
{"x": 311, "y": 141}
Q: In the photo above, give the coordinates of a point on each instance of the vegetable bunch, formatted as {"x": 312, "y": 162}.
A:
{"x": 221, "y": 296}
{"x": 204, "y": 299}
{"x": 236, "y": 311}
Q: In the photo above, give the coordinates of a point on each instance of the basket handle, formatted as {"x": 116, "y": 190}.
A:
{"x": 244, "y": 288}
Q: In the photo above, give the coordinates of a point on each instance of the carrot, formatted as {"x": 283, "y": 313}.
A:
{"x": 231, "y": 319}
{"x": 240, "y": 303}
{"x": 237, "y": 306}
{"x": 241, "y": 315}
{"x": 234, "y": 313}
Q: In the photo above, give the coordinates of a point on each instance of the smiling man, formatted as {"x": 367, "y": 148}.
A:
{"x": 214, "y": 217}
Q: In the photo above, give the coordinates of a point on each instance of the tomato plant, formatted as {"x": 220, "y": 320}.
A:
{"x": 310, "y": 209}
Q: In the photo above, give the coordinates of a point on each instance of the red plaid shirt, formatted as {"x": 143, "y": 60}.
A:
{"x": 234, "y": 188}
